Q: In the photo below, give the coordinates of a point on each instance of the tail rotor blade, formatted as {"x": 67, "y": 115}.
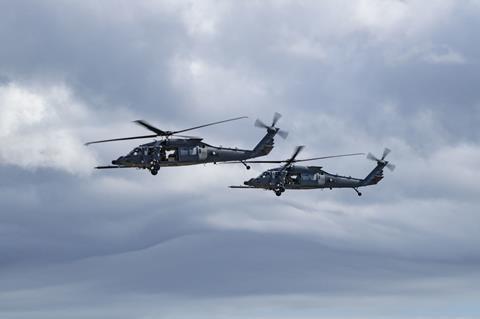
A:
{"x": 386, "y": 151}
{"x": 282, "y": 134}
{"x": 276, "y": 117}
{"x": 372, "y": 157}
{"x": 382, "y": 161}
{"x": 259, "y": 123}
{"x": 391, "y": 166}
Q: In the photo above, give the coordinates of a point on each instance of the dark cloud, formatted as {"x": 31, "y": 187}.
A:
{"x": 348, "y": 76}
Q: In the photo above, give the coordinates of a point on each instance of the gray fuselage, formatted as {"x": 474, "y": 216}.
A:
{"x": 306, "y": 177}
{"x": 181, "y": 152}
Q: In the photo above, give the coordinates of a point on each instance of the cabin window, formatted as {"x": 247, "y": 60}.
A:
{"x": 188, "y": 151}
{"x": 307, "y": 177}
{"x": 183, "y": 151}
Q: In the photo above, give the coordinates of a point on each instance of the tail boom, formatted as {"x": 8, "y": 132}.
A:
{"x": 375, "y": 176}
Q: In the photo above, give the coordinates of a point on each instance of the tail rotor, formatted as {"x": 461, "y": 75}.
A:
{"x": 272, "y": 128}
{"x": 382, "y": 160}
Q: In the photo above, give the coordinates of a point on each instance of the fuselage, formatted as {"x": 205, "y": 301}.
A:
{"x": 181, "y": 152}
{"x": 302, "y": 177}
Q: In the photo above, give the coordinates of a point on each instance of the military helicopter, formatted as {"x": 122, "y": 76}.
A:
{"x": 188, "y": 150}
{"x": 290, "y": 176}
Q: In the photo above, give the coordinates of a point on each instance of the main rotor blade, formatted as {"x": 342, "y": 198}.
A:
{"x": 150, "y": 127}
{"x": 122, "y": 139}
{"x": 276, "y": 117}
{"x": 386, "y": 151}
{"x": 291, "y": 160}
{"x": 300, "y": 160}
{"x": 325, "y": 157}
{"x": 209, "y": 124}
{"x": 298, "y": 149}
{"x": 188, "y": 136}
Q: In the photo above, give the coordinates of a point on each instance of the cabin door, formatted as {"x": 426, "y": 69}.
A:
{"x": 202, "y": 153}
{"x": 320, "y": 179}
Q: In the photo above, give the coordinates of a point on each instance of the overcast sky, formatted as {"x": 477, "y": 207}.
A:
{"x": 348, "y": 76}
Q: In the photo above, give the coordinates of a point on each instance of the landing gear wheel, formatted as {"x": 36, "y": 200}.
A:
{"x": 358, "y": 193}
{"x": 245, "y": 164}
{"x": 279, "y": 190}
{"x": 154, "y": 167}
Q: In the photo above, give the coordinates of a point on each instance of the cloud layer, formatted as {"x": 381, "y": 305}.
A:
{"x": 37, "y": 129}
{"x": 348, "y": 76}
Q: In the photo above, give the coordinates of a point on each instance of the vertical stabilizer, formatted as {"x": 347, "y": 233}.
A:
{"x": 376, "y": 175}
{"x": 265, "y": 146}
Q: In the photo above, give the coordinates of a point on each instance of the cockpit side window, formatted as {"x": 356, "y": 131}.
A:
{"x": 135, "y": 152}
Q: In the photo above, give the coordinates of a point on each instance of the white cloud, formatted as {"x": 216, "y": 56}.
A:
{"x": 387, "y": 18}
{"x": 304, "y": 47}
{"x": 35, "y": 129}
{"x": 448, "y": 57}
{"x": 428, "y": 53}
{"x": 214, "y": 86}
{"x": 200, "y": 18}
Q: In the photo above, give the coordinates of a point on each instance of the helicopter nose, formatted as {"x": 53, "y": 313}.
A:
{"x": 249, "y": 182}
{"x": 117, "y": 161}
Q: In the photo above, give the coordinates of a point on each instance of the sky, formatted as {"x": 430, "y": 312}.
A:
{"x": 347, "y": 76}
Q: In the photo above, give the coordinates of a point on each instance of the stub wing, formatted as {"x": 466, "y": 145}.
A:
{"x": 249, "y": 187}
{"x": 111, "y": 166}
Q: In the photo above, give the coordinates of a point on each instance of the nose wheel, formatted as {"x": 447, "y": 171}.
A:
{"x": 154, "y": 167}
{"x": 279, "y": 190}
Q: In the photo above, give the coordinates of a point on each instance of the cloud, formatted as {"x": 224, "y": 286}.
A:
{"x": 37, "y": 129}
{"x": 348, "y": 76}
{"x": 447, "y": 57}
{"x": 429, "y": 53}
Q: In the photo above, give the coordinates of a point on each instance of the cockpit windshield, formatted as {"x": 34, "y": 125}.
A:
{"x": 265, "y": 175}
{"x": 135, "y": 152}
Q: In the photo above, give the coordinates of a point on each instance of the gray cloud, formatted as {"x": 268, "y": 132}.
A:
{"x": 348, "y": 76}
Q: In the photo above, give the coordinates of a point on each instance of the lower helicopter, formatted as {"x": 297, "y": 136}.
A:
{"x": 290, "y": 176}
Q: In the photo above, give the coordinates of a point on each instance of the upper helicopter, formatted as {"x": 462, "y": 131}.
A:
{"x": 187, "y": 150}
{"x": 291, "y": 176}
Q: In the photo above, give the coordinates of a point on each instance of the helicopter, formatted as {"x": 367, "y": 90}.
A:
{"x": 188, "y": 150}
{"x": 290, "y": 176}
